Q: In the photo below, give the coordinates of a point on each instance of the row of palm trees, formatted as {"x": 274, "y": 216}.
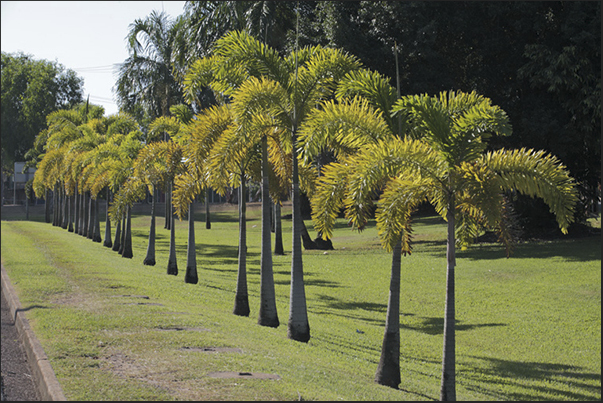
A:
{"x": 316, "y": 121}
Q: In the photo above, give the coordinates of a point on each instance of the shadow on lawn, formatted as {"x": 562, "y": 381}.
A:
{"x": 577, "y": 250}
{"x": 583, "y": 385}
{"x": 434, "y": 326}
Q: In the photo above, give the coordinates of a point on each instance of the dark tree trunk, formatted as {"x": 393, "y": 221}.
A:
{"x": 448, "y": 386}
{"x": 76, "y": 218}
{"x": 298, "y": 326}
{"x": 70, "y": 211}
{"x": 108, "y": 243}
{"x": 172, "y": 267}
{"x": 55, "y": 202}
{"x": 190, "y": 275}
{"x": 91, "y": 214}
{"x": 122, "y": 241}
{"x": 47, "y": 203}
{"x": 127, "y": 252}
{"x": 64, "y": 214}
{"x": 278, "y": 230}
{"x": 388, "y": 371}
{"x": 85, "y": 215}
{"x": 268, "y": 315}
{"x": 96, "y": 233}
{"x": 149, "y": 260}
{"x": 241, "y": 307}
{"x": 207, "y": 217}
{"x": 168, "y": 215}
{"x": 117, "y": 243}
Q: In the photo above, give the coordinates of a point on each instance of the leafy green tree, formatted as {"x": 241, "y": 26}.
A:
{"x": 450, "y": 169}
{"x": 540, "y": 62}
{"x": 31, "y": 90}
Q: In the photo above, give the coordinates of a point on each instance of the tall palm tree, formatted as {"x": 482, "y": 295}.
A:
{"x": 450, "y": 169}
{"x": 210, "y": 136}
{"x": 276, "y": 94}
{"x": 338, "y": 129}
{"x": 145, "y": 78}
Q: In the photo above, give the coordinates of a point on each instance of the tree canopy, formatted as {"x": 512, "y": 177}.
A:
{"x": 31, "y": 90}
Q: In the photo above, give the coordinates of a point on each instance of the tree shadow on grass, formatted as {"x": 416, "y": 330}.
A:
{"x": 583, "y": 385}
{"x": 577, "y": 250}
{"x": 435, "y": 326}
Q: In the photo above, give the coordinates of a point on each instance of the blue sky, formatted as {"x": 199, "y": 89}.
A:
{"x": 85, "y": 36}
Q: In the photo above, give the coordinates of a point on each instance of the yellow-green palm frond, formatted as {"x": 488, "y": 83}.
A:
{"x": 372, "y": 86}
{"x": 199, "y": 76}
{"x": 98, "y": 125}
{"x": 186, "y": 187}
{"x": 400, "y": 198}
{"x": 208, "y": 126}
{"x": 318, "y": 76}
{"x": 231, "y": 153}
{"x": 238, "y": 48}
{"x": 262, "y": 102}
{"x": 537, "y": 174}
{"x": 280, "y": 157}
{"x": 327, "y": 199}
{"x": 341, "y": 127}
{"x": 375, "y": 164}
{"x": 161, "y": 125}
{"x": 121, "y": 124}
{"x": 128, "y": 194}
{"x": 454, "y": 123}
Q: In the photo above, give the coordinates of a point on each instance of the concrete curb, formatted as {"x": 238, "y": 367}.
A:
{"x": 42, "y": 373}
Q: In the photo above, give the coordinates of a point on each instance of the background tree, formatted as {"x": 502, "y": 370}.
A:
{"x": 145, "y": 78}
{"x": 540, "y": 62}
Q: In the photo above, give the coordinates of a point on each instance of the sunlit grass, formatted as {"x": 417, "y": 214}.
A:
{"x": 528, "y": 327}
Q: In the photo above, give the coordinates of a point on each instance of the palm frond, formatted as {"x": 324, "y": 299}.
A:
{"x": 537, "y": 174}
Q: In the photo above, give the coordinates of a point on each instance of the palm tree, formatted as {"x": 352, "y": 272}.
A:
{"x": 145, "y": 78}
{"x": 156, "y": 163}
{"x": 450, "y": 169}
{"x": 277, "y": 96}
{"x": 211, "y": 135}
{"x": 338, "y": 130}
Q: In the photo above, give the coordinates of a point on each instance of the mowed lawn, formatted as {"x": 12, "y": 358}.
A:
{"x": 528, "y": 327}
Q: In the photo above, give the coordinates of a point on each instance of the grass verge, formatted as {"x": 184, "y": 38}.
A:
{"x": 528, "y": 327}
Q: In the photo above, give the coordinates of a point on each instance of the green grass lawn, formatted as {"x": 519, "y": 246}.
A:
{"x": 528, "y": 327}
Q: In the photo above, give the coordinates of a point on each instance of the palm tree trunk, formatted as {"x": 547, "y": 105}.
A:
{"x": 388, "y": 371}
{"x": 149, "y": 260}
{"x": 117, "y": 243}
{"x": 55, "y": 202}
{"x": 70, "y": 209}
{"x": 127, "y": 252}
{"x": 76, "y": 218}
{"x": 82, "y": 214}
{"x": 167, "y": 207}
{"x": 207, "y": 217}
{"x": 172, "y": 262}
{"x": 448, "y": 386}
{"x": 298, "y": 326}
{"x": 122, "y": 241}
{"x": 96, "y": 233}
{"x": 90, "y": 233}
{"x": 241, "y": 307}
{"x": 64, "y": 204}
{"x": 268, "y": 315}
{"x": 108, "y": 243}
{"x": 278, "y": 230}
{"x": 190, "y": 275}
{"x": 47, "y": 206}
